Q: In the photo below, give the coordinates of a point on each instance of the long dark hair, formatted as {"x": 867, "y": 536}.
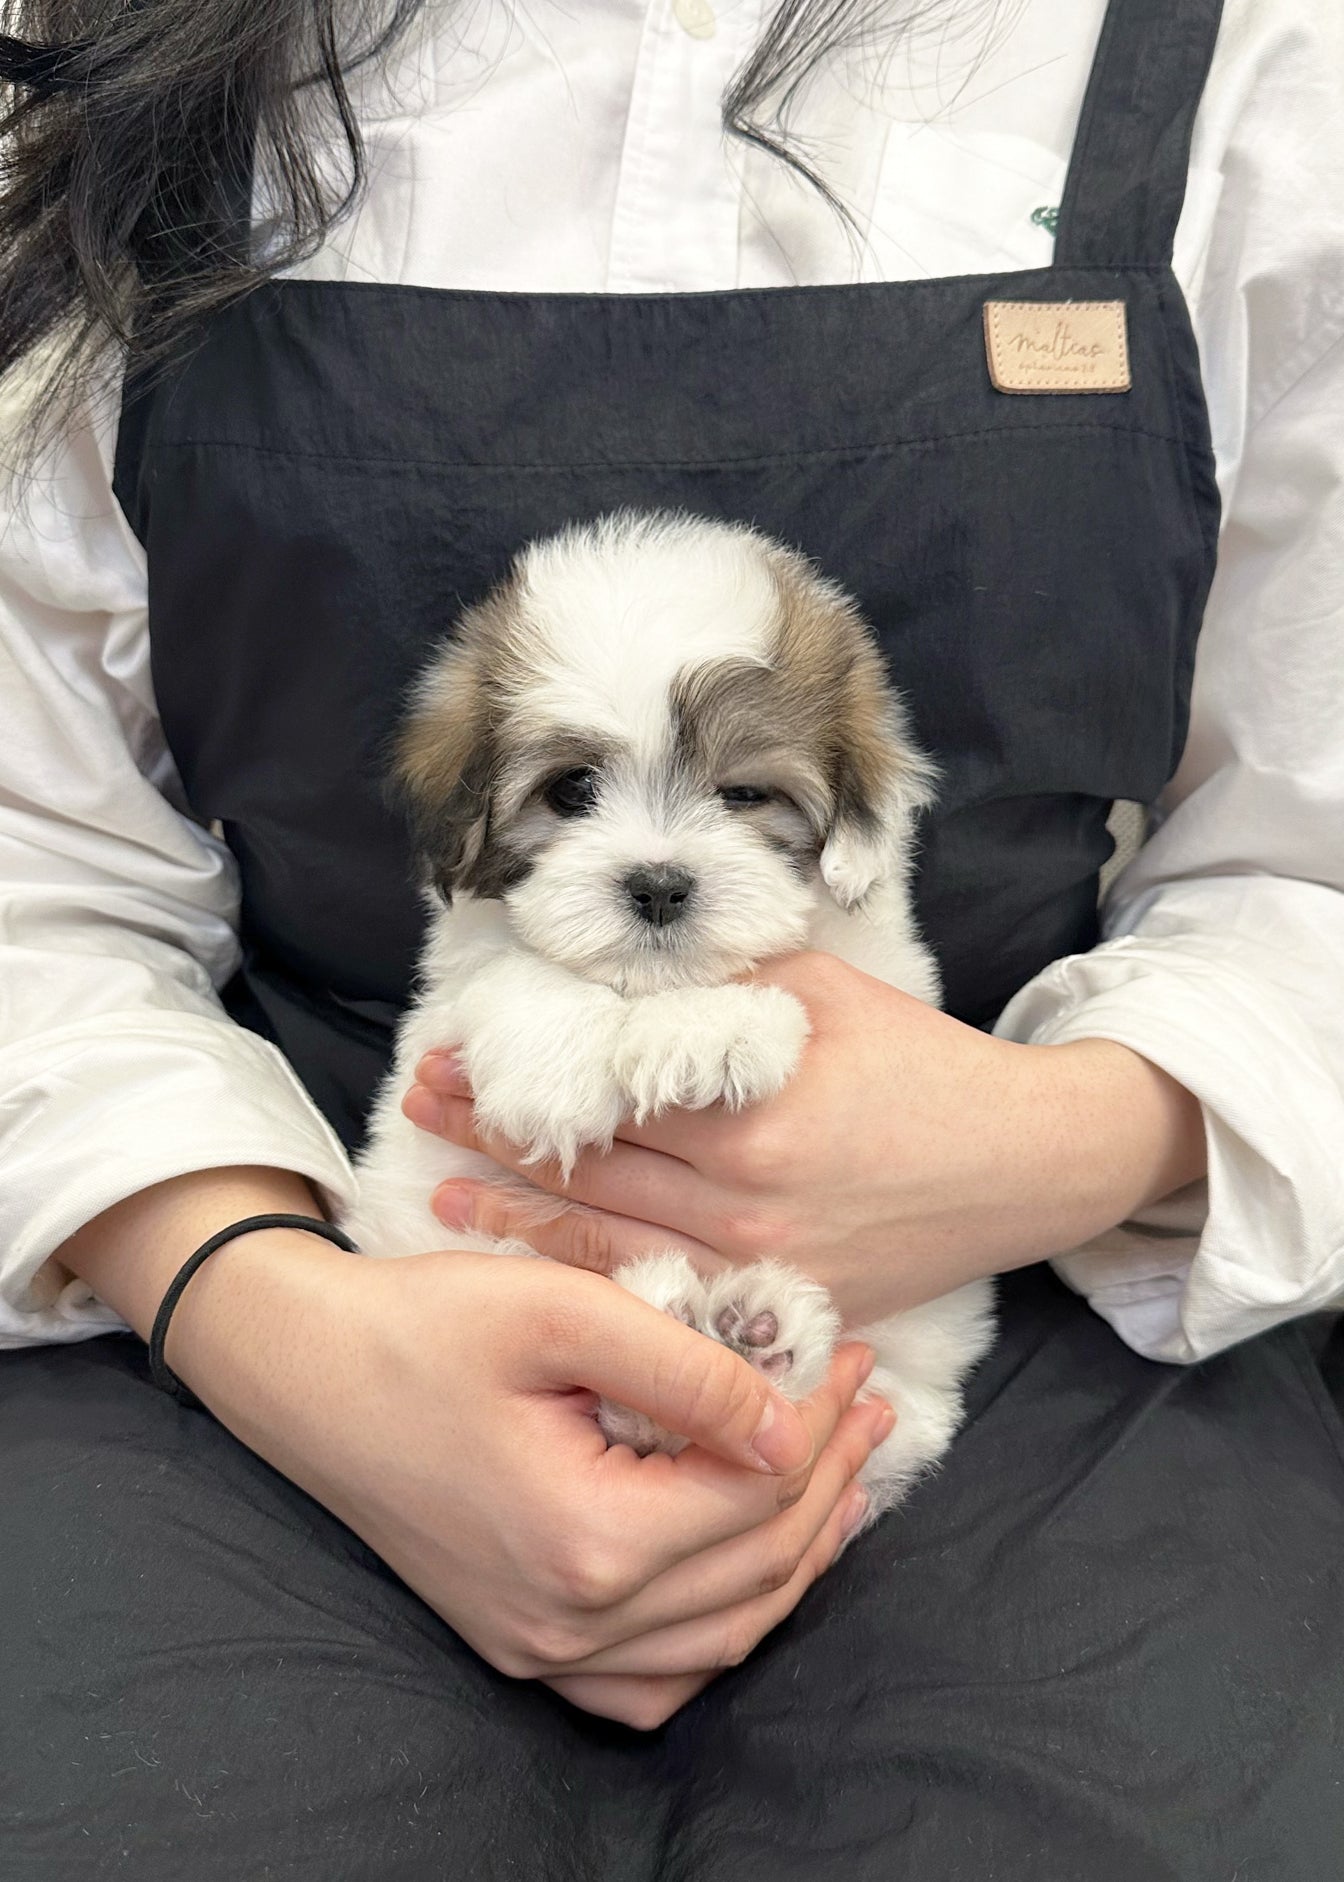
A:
{"x": 129, "y": 129}
{"x": 121, "y": 149}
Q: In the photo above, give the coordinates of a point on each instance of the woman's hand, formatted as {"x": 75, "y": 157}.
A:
{"x": 909, "y": 1154}
{"x": 442, "y": 1407}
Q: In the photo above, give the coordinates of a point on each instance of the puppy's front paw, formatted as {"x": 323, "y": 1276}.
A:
{"x": 698, "y": 1046}
{"x": 670, "y": 1283}
{"x": 550, "y": 1117}
{"x": 541, "y": 1075}
{"x": 778, "y": 1320}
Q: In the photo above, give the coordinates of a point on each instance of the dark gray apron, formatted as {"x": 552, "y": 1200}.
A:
{"x": 341, "y": 467}
{"x": 1106, "y": 1641}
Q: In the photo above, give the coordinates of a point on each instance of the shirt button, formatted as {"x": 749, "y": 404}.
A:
{"x": 695, "y": 17}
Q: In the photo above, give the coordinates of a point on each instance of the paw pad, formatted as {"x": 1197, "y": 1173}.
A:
{"x": 733, "y": 1326}
{"x": 753, "y": 1335}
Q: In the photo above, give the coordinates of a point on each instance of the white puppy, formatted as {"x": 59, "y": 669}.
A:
{"x": 662, "y": 750}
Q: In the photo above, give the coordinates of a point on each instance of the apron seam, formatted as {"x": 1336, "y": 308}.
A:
{"x": 282, "y": 285}
{"x": 881, "y": 448}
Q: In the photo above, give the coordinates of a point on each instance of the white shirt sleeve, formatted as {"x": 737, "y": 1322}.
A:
{"x": 1223, "y": 957}
{"x": 118, "y": 1065}
{"x": 1224, "y": 941}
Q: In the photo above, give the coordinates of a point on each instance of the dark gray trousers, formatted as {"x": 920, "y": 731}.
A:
{"x": 1106, "y": 1644}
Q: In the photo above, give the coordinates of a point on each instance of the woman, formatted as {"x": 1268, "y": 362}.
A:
{"x": 1103, "y": 1642}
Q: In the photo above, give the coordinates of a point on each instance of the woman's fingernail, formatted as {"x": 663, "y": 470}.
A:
{"x": 867, "y": 1363}
{"x": 855, "y": 1510}
{"x": 782, "y": 1441}
{"x": 422, "y": 1108}
{"x": 885, "y": 1425}
{"x": 442, "y": 1072}
{"x": 452, "y": 1204}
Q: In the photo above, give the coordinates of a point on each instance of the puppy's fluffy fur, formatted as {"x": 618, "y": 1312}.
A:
{"x": 662, "y": 750}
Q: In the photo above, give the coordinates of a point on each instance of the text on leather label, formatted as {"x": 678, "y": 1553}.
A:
{"x": 1057, "y": 346}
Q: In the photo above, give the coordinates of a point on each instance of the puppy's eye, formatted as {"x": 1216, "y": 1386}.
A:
{"x": 572, "y": 793}
{"x": 737, "y": 796}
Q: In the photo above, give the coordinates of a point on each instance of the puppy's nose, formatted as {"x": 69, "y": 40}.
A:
{"x": 660, "y": 893}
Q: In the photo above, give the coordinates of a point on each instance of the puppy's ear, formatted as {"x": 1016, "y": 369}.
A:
{"x": 882, "y": 781}
{"x": 444, "y": 768}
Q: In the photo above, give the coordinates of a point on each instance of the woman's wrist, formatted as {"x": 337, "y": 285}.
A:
{"x": 1113, "y": 1134}
{"x": 259, "y": 1336}
{"x": 130, "y": 1253}
{"x": 251, "y": 1334}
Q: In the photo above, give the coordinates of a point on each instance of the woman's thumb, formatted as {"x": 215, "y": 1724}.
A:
{"x": 630, "y": 1352}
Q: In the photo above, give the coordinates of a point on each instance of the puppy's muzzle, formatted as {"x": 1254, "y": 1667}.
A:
{"x": 660, "y": 895}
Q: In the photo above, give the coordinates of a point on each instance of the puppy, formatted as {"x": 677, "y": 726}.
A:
{"x": 661, "y": 751}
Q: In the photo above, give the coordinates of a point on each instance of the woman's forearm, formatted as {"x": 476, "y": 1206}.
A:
{"x": 1110, "y": 1134}
{"x": 129, "y": 1254}
{"x": 259, "y": 1333}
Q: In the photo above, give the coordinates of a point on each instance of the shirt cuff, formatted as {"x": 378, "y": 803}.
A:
{"x": 1261, "y": 1241}
{"x": 90, "y": 1121}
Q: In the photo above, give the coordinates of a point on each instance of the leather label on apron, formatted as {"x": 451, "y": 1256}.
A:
{"x": 1057, "y": 346}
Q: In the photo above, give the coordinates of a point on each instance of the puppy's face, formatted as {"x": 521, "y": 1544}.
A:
{"x": 659, "y": 742}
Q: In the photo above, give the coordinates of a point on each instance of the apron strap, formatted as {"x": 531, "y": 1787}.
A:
{"x": 1126, "y": 180}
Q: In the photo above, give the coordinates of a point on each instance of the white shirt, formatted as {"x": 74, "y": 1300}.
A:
{"x": 536, "y": 147}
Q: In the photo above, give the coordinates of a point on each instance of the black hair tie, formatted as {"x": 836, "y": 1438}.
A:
{"x": 159, "y": 1369}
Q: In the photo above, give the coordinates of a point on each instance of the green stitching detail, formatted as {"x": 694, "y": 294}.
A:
{"x": 1046, "y": 217}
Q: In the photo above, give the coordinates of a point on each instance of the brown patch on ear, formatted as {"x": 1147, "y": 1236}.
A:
{"x": 880, "y": 768}
{"x": 879, "y": 778}
{"x": 823, "y": 718}
{"x": 448, "y": 759}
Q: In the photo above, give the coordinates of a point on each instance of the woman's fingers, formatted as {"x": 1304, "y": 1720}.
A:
{"x": 441, "y": 1072}
{"x": 644, "y": 1704}
{"x": 649, "y": 1513}
{"x": 441, "y": 1101}
{"x": 724, "y": 1639}
{"x": 727, "y": 1580}
{"x": 578, "y": 1236}
{"x": 613, "y": 1343}
{"x": 626, "y": 1180}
